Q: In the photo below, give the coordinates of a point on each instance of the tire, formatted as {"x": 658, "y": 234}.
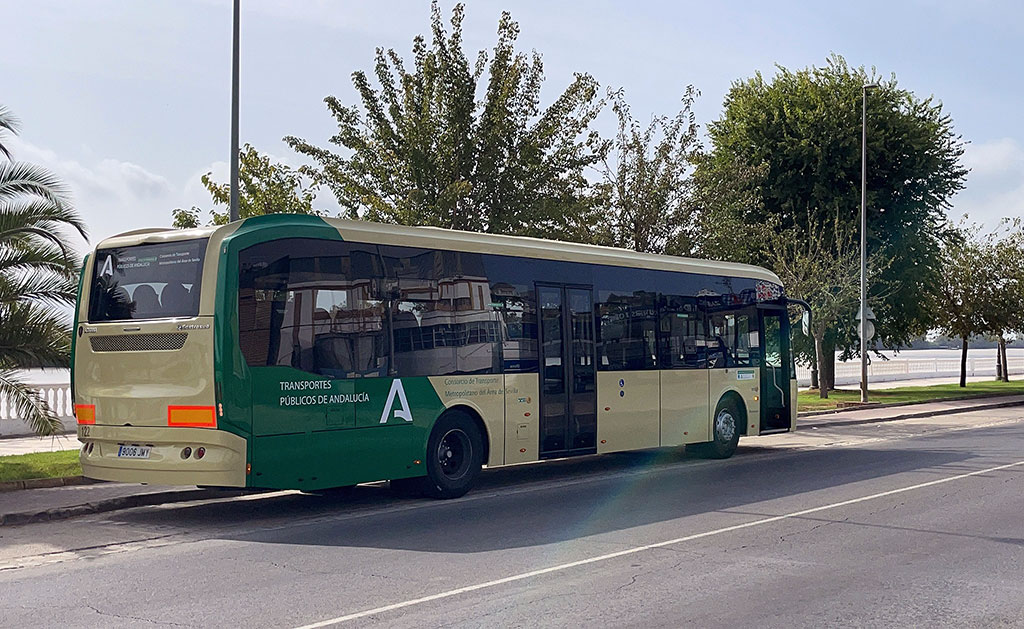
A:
{"x": 455, "y": 453}
{"x": 725, "y": 432}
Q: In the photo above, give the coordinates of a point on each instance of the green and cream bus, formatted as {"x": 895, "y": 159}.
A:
{"x": 289, "y": 351}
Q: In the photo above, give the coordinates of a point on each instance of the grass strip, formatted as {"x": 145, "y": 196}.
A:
{"x": 39, "y": 465}
{"x": 809, "y": 400}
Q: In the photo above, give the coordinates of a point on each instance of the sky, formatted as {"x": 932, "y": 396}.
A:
{"x": 129, "y": 100}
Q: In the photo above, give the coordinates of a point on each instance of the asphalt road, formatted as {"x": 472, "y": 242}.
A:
{"x": 910, "y": 523}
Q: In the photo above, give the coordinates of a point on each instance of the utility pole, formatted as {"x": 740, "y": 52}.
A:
{"x": 863, "y": 241}
{"x": 233, "y": 206}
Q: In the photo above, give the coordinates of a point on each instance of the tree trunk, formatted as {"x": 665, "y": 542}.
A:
{"x": 814, "y": 366}
{"x": 963, "y": 363}
{"x": 999, "y": 361}
{"x": 1002, "y": 354}
{"x": 818, "y": 378}
{"x": 826, "y": 352}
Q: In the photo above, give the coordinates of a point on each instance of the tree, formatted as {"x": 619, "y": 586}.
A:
{"x": 38, "y": 280}
{"x": 263, "y": 188}
{"x": 1003, "y": 251}
{"x": 645, "y": 184}
{"x": 963, "y": 292}
{"x": 802, "y": 129}
{"x": 422, "y": 149}
{"x": 826, "y": 274}
{"x": 8, "y": 124}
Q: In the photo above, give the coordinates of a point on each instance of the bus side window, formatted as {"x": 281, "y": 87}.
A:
{"x": 719, "y": 354}
{"x": 627, "y": 330}
{"x": 681, "y": 334}
{"x": 313, "y": 305}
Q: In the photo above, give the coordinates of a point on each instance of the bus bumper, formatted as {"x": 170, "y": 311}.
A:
{"x": 222, "y": 464}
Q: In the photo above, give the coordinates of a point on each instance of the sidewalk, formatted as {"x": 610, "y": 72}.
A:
{"x": 28, "y": 445}
{"x": 38, "y": 505}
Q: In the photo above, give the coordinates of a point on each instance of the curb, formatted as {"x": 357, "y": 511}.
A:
{"x": 45, "y": 483}
{"x": 833, "y": 411}
{"x": 911, "y": 415}
{"x": 116, "y": 504}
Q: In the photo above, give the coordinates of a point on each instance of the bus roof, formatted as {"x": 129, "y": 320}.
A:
{"x": 455, "y": 240}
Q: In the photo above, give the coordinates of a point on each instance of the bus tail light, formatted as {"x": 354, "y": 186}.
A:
{"x": 196, "y": 416}
{"x": 85, "y": 413}
{"x": 200, "y": 452}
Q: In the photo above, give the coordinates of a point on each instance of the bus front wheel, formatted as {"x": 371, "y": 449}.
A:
{"x": 725, "y": 432}
{"x": 454, "y": 456}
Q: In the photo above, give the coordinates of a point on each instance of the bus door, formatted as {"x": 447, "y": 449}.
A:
{"x": 568, "y": 390}
{"x": 775, "y": 370}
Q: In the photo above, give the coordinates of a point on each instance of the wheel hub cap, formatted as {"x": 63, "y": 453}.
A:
{"x": 725, "y": 426}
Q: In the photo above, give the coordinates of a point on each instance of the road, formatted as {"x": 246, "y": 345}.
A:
{"x": 909, "y": 523}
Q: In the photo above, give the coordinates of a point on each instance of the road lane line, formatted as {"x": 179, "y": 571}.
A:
{"x": 638, "y": 549}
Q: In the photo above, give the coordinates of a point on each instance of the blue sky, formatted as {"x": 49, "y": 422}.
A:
{"x": 129, "y": 100}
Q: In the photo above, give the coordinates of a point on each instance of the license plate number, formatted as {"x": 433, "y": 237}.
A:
{"x": 133, "y": 452}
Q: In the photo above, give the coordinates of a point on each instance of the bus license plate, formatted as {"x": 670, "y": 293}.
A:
{"x": 133, "y": 452}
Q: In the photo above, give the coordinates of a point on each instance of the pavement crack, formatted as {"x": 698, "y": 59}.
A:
{"x": 142, "y": 618}
{"x": 632, "y": 582}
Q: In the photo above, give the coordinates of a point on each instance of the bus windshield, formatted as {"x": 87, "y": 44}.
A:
{"x": 152, "y": 281}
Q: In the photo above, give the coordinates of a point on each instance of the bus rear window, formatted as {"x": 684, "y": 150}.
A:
{"x": 147, "y": 281}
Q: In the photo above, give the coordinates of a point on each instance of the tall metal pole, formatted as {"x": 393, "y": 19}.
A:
{"x": 233, "y": 207}
{"x": 864, "y": 245}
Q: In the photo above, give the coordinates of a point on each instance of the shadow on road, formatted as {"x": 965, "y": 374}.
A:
{"x": 535, "y": 505}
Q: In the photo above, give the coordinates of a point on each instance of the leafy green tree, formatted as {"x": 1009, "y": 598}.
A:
{"x": 964, "y": 292}
{"x": 803, "y": 130}
{"x": 723, "y": 192}
{"x": 826, "y": 274}
{"x": 439, "y": 143}
{"x": 1004, "y": 309}
{"x": 644, "y": 192}
{"x": 38, "y": 280}
{"x": 263, "y": 188}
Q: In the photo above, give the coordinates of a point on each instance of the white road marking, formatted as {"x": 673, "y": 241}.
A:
{"x": 639, "y": 549}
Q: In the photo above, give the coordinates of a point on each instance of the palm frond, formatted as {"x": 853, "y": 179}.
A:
{"x": 33, "y": 257}
{"x": 8, "y": 124}
{"x": 34, "y": 336}
{"x": 21, "y": 178}
{"x": 26, "y": 404}
{"x": 40, "y": 213}
{"x": 45, "y": 286}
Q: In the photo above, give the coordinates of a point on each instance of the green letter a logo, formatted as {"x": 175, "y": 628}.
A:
{"x": 400, "y": 413}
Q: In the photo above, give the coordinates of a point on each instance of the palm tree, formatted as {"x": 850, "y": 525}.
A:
{"x": 38, "y": 280}
{"x": 8, "y": 124}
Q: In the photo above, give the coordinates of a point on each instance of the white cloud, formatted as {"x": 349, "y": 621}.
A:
{"x": 995, "y": 158}
{"x": 112, "y": 195}
{"x": 995, "y": 185}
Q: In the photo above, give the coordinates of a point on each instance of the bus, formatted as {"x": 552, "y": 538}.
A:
{"x": 299, "y": 352}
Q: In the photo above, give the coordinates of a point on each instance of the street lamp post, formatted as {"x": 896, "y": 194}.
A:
{"x": 864, "y": 241}
{"x": 233, "y": 202}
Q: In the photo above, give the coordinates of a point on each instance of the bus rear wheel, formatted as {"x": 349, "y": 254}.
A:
{"x": 725, "y": 432}
{"x": 454, "y": 456}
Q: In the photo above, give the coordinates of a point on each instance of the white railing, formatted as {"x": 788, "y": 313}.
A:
{"x": 58, "y": 396}
{"x": 916, "y": 369}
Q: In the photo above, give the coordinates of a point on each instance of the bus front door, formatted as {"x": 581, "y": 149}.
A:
{"x": 568, "y": 391}
{"x": 775, "y": 376}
